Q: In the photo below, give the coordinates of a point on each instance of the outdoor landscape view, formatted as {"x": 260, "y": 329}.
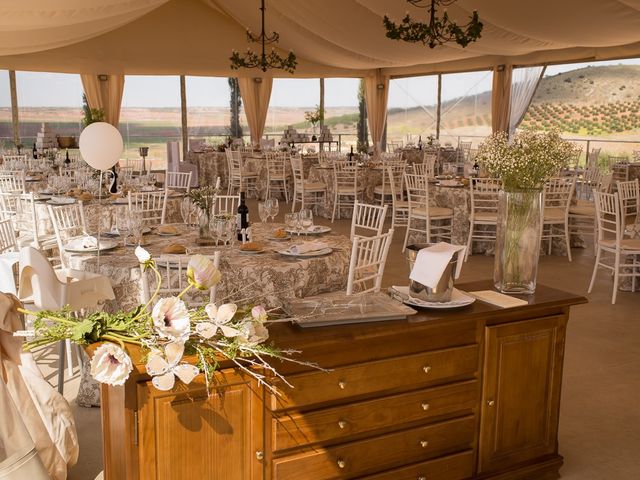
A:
{"x": 600, "y": 103}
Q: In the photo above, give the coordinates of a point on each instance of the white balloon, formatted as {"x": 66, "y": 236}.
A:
{"x": 101, "y": 145}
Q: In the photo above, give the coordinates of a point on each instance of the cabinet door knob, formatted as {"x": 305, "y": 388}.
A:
{"x": 341, "y": 463}
{"x": 342, "y": 424}
{"x": 426, "y": 368}
{"x": 259, "y": 455}
{"x": 491, "y": 403}
{"x": 342, "y": 384}
{"x": 424, "y": 443}
{"x": 425, "y": 406}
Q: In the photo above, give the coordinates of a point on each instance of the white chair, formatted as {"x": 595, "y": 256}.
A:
{"x": 240, "y": 178}
{"x": 8, "y": 256}
{"x": 629, "y": 194}
{"x": 304, "y": 191}
{"x": 28, "y": 224}
{"x": 484, "y": 211}
{"x": 226, "y": 204}
{"x": 582, "y": 215}
{"x": 366, "y": 266}
{"x": 400, "y": 207}
{"x": 180, "y": 181}
{"x": 438, "y": 220}
{"x": 428, "y": 165}
{"x": 49, "y": 289}
{"x": 173, "y": 272}
{"x": 611, "y": 240}
{"x": 68, "y": 222}
{"x": 125, "y": 173}
{"x": 135, "y": 164}
{"x": 555, "y": 221}
{"x": 152, "y": 206}
{"x": 12, "y": 182}
{"x": 346, "y": 190}
{"x": 367, "y": 217}
{"x": 277, "y": 174}
{"x": 391, "y": 170}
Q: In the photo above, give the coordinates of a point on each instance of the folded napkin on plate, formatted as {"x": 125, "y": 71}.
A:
{"x": 59, "y": 199}
{"x": 307, "y": 247}
{"x": 84, "y": 242}
{"x": 432, "y": 261}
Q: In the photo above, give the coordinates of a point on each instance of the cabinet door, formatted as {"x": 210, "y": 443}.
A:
{"x": 521, "y": 393}
{"x": 187, "y": 434}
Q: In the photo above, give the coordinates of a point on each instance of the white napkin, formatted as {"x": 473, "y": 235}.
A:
{"x": 432, "y": 261}
{"x": 307, "y": 247}
{"x": 85, "y": 242}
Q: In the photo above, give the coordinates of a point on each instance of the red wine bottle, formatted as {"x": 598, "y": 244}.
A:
{"x": 243, "y": 216}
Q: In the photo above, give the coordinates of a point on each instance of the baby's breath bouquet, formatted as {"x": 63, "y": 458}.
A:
{"x": 523, "y": 163}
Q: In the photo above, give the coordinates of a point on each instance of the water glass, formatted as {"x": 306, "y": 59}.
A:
{"x": 306, "y": 218}
{"x": 291, "y": 220}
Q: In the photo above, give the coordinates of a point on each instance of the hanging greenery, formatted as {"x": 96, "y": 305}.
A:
{"x": 90, "y": 115}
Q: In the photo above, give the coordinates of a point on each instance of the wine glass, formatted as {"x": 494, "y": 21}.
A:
{"x": 273, "y": 207}
{"x": 306, "y": 218}
{"x": 123, "y": 225}
{"x": 263, "y": 212}
{"x": 185, "y": 210}
{"x": 136, "y": 226}
{"x": 290, "y": 220}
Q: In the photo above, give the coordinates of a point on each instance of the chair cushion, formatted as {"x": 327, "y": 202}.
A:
{"x": 314, "y": 186}
{"x": 486, "y": 216}
{"x": 433, "y": 212}
{"x": 554, "y": 214}
{"x": 625, "y": 244}
{"x": 401, "y": 204}
{"x": 378, "y": 189}
{"x": 346, "y": 189}
{"x": 584, "y": 210}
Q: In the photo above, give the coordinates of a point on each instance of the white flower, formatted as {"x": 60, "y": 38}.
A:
{"x": 202, "y": 273}
{"x": 142, "y": 255}
{"x": 219, "y": 317}
{"x": 110, "y": 364}
{"x": 259, "y": 313}
{"x": 164, "y": 367}
{"x": 171, "y": 319}
{"x": 253, "y": 333}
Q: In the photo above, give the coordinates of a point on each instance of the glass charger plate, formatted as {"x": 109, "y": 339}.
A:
{"x": 339, "y": 309}
{"x": 315, "y": 230}
{"x": 315, "y": 253}
{"x": 105, "y": 245}
{"x": 458, "y": 299}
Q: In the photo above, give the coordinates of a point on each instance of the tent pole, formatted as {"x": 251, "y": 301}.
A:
{"x": 320, "y": 145}
{"x": 438, "y": 106}
{"x": 14, "y": 107}
{"x": 185, "y": 128}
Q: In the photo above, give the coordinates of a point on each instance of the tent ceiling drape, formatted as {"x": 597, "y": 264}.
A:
{"x": 330, "y": 37}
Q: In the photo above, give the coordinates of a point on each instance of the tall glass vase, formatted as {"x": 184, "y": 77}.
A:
{"x": 518, "y": 241}
{"x": 204, "y": 227}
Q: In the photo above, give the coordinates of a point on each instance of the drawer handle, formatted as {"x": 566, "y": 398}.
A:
{"x": 426, "y": 368}
{"x": 424, "y": 443}
{"x": 342, "y": 384}
{"x": 259, "y": 455}
{"x": 342, "y": 424}
{"x": 425, "y": 406}
{"x": 491, "y": 403}
{"x": 341, "y": 463}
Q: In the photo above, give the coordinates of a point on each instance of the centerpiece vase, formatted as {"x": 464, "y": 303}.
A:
{"x": 204, "y": 227}
{"x": 518, "y": 241}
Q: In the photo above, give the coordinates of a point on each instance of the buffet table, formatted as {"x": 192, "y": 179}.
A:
{"x": 468, "y": 393}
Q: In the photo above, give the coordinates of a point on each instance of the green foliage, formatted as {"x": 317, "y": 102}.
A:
{"x": 90, "y": 115}
{"x": 235, "y": 103}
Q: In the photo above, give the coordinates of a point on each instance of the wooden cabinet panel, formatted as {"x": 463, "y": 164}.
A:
{"x": 296, "y": 430}
{"x": 521, "y": 393}
{"x": 452, "y": 467}
{"x": 186, "y": 434}
{"x": 387, "y": 451}
{"x": 408, "y": 372}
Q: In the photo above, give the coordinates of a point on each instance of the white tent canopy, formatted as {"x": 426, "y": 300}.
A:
{"x": 329, "y": 37}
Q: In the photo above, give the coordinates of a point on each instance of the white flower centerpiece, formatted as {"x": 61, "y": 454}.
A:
{"x": 523, "y": 163}
{"x": 166, "y": 330}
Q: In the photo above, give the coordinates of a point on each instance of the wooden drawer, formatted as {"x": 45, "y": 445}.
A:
{"x": 411, "y": 371}
{"x": 452, "y": 467}
{"x": 295, "y": 430}
{"x": 379, "y": 453}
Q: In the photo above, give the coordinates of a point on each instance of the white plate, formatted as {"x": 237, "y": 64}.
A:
{"x": 252, "y": 252}
{"x": 317, "y": 230}
{"x": 458, "y": 299}
{"x": 121, "y": 201}
{"x": 315, "y": 253}
{"x": 67, "y": 201}
{"x": 105, "y": 245}
{"x": 280, "y": 239}
{"x": 164, "y": 234}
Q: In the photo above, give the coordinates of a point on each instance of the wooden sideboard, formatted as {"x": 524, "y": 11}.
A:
{"x": 449, "y": 395}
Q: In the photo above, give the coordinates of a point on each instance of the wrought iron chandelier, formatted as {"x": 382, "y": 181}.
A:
{"x": 438, "y": 31}
{"x": 264, "y": 60}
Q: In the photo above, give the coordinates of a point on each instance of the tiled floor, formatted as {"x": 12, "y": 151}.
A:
{"x": 600, "y": 418}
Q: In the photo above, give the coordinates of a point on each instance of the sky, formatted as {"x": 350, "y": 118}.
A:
{"x": 65, "y": 90}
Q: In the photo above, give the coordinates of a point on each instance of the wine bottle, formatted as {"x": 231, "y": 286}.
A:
{"x": 35, "y": 151}
{"x": 420, "y": 142}
{"x": 351, "y": 154}
{"x": 113, "y": 188}
{"x": 243, "y": 216}
{"x": 67, "y": 160}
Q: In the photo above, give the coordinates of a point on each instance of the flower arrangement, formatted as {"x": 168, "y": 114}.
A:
{"x": 314, "y": 116}
{"x": 204, "y": 197}
{"x": 528, "y": 160}
{"x": 167, "y": 331}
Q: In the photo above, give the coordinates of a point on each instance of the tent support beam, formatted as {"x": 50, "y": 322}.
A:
{"x": 15, "y": 121}
{"x": 438, "y": 107}
{"x": 183, "y": 108}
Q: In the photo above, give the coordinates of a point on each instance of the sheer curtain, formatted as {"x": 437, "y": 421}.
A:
{"x": 524, "y": 82}
{"x": 376, "y": 89}
{"x": 105, "y": 94}
{"x": 255, "y": 94}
